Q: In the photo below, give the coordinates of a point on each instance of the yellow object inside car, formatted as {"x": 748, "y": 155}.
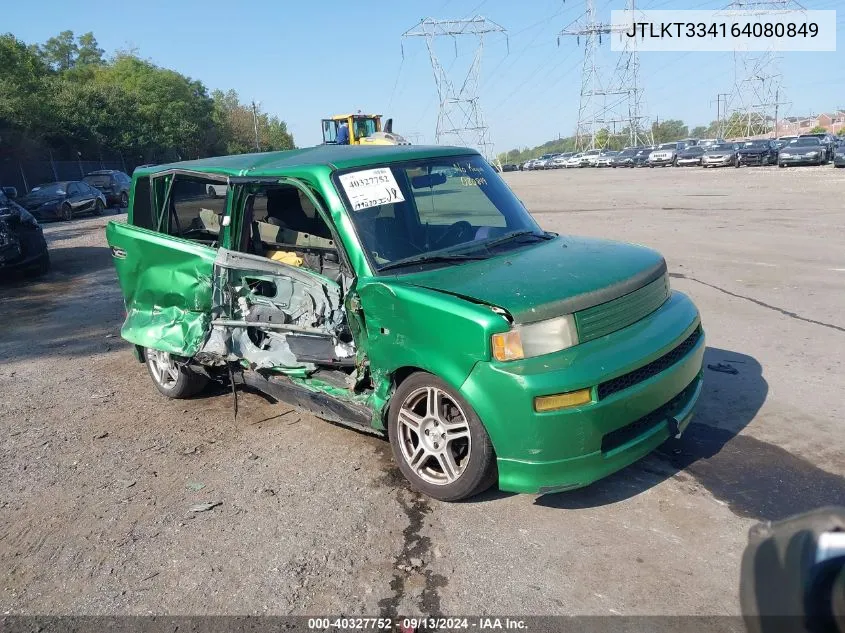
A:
{"x": 285, "y": 257}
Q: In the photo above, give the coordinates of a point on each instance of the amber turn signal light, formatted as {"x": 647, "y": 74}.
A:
{"x": 562, "y": 400}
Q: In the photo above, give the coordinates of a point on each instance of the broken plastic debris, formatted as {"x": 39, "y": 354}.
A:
{"x": 196, "y": 486}
{"x": 724, "y": 368}
{"x": 205, "y": 507}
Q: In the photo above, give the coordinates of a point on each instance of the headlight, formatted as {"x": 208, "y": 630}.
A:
{"x": 535, "y": 339}
{"x": 812, "y": 154}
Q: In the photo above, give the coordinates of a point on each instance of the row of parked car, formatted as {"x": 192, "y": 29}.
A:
{"x": 63, "y": 200}
{"x": 23, "y": 248}
{"x": 806, "y": 149}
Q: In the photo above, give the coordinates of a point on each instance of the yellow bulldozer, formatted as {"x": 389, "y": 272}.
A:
{"x": 363, "y": 129}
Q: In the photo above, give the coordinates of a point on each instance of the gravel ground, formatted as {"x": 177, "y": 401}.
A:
{"x": 99, "y": 471}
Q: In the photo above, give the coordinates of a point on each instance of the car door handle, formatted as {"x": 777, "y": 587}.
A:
{"x": 118, "y": 253}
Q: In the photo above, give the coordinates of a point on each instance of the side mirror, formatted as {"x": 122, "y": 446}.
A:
{"x": 11, "y": 192}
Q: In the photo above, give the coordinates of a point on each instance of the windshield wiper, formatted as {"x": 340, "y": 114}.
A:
{"x": 425, "y": 259}
{"x": 507, "y": 237}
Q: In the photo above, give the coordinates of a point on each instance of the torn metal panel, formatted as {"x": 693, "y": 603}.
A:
{"x": 167, "y": 286}
{"x": 275, "y": 316}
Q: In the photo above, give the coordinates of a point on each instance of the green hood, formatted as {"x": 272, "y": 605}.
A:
{"x": 537, "y": 282}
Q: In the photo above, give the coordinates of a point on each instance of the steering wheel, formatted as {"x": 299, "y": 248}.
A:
{"x": 459, "y": 231}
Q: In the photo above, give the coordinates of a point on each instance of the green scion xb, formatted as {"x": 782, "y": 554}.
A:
{"x": 406, "y": 290}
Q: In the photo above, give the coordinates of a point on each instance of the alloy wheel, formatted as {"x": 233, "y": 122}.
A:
{"x": 163, "y": 369}
{"x": 434, "y": 436}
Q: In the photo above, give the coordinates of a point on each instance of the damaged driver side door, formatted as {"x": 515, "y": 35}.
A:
{"x": 278, "y": 291}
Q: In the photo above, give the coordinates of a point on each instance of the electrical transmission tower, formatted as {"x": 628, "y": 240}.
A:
{"x": 754, "y": 100}
{"x": 625, "y": 104}
{"x": 459, "y": 120}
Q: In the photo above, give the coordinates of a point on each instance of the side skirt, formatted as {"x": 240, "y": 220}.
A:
{"x": 320, "y": 404}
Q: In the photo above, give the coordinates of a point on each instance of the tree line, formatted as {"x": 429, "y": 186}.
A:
{"x": 66, "y": 97}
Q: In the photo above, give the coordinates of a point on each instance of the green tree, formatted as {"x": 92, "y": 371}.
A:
{"x": 669, "y": 130}
{"x": 700, "y": 131}
{"x": 174, "y": 112}
{"x": 819, "y": 129}
{"x": 237, "y": 125}
{"x": 23, "y": 111}
{"x": 88, "y": 51}
{"x": 60, "y": 51}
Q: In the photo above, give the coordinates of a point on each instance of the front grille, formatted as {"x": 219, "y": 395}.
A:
{"x": 632, "y": 431}
{"x": 614, "y": 315}
{"x": 609, "y": 387}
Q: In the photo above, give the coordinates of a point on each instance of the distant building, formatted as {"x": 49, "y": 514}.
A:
{"x": 833, "y": 122}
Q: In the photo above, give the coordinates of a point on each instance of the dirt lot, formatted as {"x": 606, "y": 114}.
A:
{"x": 98, "y": 471}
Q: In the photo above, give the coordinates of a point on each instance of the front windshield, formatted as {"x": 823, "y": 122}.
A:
{"x": 695, "y": 149}
{"x": 668, "y": 146}
{"x": 805, "y": 142}
{"x": 434, "y": 209}
{"x": 52, "y": 189}
{"x": 756, "y": 144}
{"x": 721, "y": 147}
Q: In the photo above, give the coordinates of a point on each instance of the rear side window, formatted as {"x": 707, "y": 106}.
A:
{"x": 194, "y": 208}
{"x": 141, "y": 208}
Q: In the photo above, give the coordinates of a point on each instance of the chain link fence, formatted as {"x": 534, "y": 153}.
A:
{"x": 24, "y": 173}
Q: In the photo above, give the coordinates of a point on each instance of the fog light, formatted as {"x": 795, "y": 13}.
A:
{"x": 562, "y": 400}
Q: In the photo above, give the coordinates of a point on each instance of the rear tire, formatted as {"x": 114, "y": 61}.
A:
{"x": 170, "y": 378}
{"x": 124, "y": 200}
{"x": 781, "y": 165}
{"x": 438, "y": 441}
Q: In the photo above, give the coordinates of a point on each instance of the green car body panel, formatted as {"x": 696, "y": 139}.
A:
{"x": 441, "y": 320}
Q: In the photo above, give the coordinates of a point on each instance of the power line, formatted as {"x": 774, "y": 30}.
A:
{"x": 460, "y": 117}
{"x": 593, "y": 112}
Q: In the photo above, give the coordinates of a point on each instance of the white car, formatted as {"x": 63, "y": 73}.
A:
{"x": 589, "y": 158}
{"x": 573, "y": 161}
{"x": 605, "y": 158}
{"x": 664, "y": 155}
{"x": 216, "y": 191}
{"x": 560, "y": 161}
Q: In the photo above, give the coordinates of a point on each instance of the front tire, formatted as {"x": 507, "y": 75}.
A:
{"x": 124, "y": 200}
{"x": 65, "y": 212}
{"x": 99, "y": 207}
{"x": 171, "y": 379}
{"x": 438, "y": 441}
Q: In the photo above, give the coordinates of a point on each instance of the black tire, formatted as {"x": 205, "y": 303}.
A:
{"x": 66, "y": 212}
{"x": 186, "y": 383}
{"x": 781, "y": 165}
{"x": 478, "y": 472}
{"x": 99, "y": 207}
{"x": 124, "y": 200}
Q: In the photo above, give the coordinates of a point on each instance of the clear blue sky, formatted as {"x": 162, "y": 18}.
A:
{"x": 306, "y": 60}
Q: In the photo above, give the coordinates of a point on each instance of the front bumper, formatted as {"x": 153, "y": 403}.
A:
{"x": 27, "y": 249}
{"x": 683, "y": 162}
{"x": 839, "y": 160}
{"x": 717, "y": 162}
{"x": 571, "y": 448}
{"x": 661, "y": 162}
{"x": 752, "y": 159}
{"x": 800, "y": 160}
